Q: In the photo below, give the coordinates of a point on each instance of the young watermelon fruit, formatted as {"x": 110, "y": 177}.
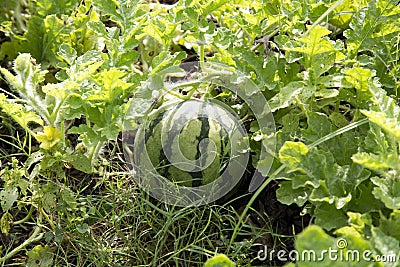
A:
{"x": 194, "y": 149}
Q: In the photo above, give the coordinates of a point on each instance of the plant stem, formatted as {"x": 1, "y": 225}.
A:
{"x": 26, "y": 218}
{"x": 201, "y": 55}
{"x": 326, "y": 13}
{"x": 95, "y": 151}
{"x": 250, "y": 203}
{"x": 48, "y": 219}
{"x": 338, "y": 132}
{"x": 280, "y": 169}
{"x": 36, "y": 236}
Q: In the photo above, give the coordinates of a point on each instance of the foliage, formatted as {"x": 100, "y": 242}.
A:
{"x": 219, "y": 260}
{"x": 71, "y": 69}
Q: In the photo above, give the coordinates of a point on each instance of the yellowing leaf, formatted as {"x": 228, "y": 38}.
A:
{"x": 339, "y": 56}
{"x": 375, "y": 162}
{"x": 252, "y": 19}
{"x": 358, "y": 77}
{"x": 291, "y": 153}
{"x": 112, "y": 85}
{"x": 219, "y": 260}
{"x": 19, "y": 113}
{"x": 5, "y": 221}
{"x": 317, "y": 33}
{"x": 386, "y": 30}
{"x": 49, "y": 137}
{"x": 390, "y": 125}
{"x": 343, "y": 14}
{"x": 314, "y": 43}
{"x": 112, "y": 79}
{"x": 55, "y": 89}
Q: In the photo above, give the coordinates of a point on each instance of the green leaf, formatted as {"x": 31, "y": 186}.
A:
{"x": 109, "y": 7}
{"x": 341, "y": 146}
{"x": 338, "y": 119}
{"x": 359, "y": 221}
{"x": 138, "y": 107}
{"x": 112, "y": 87}
{"x": 98, "y": 27}
{"x": 356, "y": 249}
{"x": 326, "y": 184}
{"x": 43, "y": 38}
{"x": 323, "y": 194}
{"x": 40, "y": 257}
{"x": 318, "y": 126}
{"x": 81, "y": 162}
{"x": 67, "y": 52}
{"x": 342, "y": 14}
{"x": 391, "y": 226}
{"x": 388, "y": 191}
{"x": 67, "y": 197}
{"x": 49, "y": 201}
{"x": 310, "y": 245}
{"x": 364, "y": 201}
{"x": 127, "y": 58}
{"x": 326, "y": 93}
{"x": 87, "y": 134}
{"x": 314, "y": 164}
{"x": 48, "y": 7}
{"x": 82, "y": 228}
{"x": 389, "y": 125}
{"x": 385, "y": 245}
{"x": 319, "y": 52}
{"x": 7, "y": 198}
{"x": 383, "y": 103}
{"x": 329, "y": 217}
{"x": 26, "y": 83}
{"x": 28, "y": 75}
{"x": 164, "y": 60}
{"x": 286, "y": 96}
{"x": 368, "y": 24}
{"x": 290, "y": 123}
{"x": 287, "y": 195}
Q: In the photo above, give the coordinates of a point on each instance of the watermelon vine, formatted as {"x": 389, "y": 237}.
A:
{"x": 170, "y": 133}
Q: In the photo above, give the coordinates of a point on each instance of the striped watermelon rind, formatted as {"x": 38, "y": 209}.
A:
{"x": 214, "y": 165}
{"x": 202, "y": 141}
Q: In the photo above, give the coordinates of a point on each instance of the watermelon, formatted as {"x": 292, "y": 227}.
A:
{"x": 190, "y": 153}
{"x": 195, "y": 146}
